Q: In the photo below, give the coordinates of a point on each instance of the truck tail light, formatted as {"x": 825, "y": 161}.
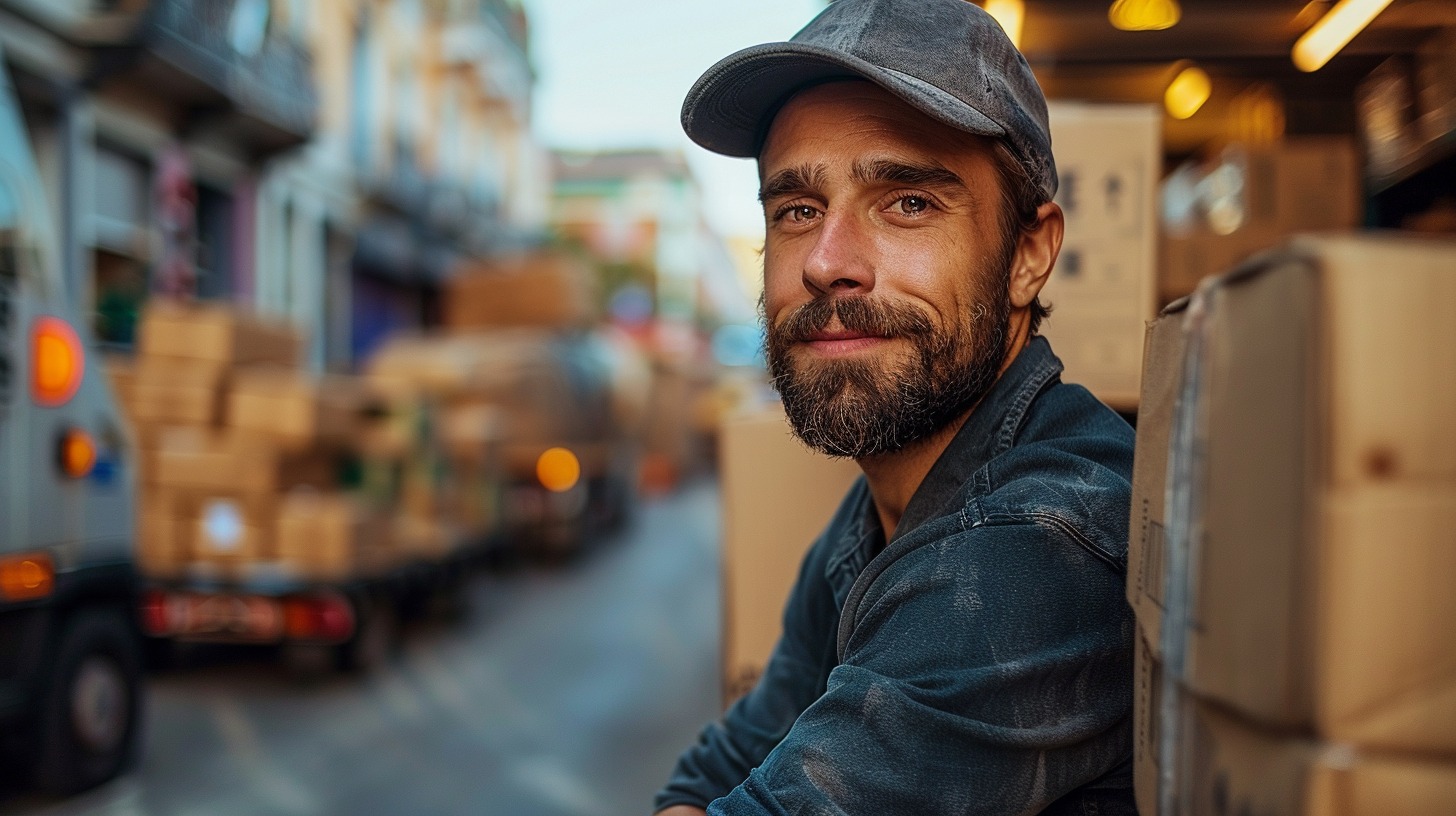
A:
{"x": 318, "y": 617}
{"x": 57, "y": 362}
{"x": 154, "y": 614}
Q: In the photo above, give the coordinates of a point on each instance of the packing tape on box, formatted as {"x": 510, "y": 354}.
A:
{"x": 1187, "y": 466}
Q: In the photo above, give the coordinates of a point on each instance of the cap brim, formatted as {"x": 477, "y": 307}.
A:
{"x": 727, "y": 109}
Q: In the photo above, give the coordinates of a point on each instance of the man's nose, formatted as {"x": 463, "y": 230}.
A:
{"x": 840, "y": 262}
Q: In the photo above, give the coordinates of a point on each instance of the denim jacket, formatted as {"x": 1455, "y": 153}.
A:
{"x": 980, "y": 662}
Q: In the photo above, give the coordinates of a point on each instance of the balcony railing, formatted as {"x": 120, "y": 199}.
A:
{"x": 229, "y": 73}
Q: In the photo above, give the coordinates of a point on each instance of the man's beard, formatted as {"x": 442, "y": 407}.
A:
{"x": 863, "y": 407}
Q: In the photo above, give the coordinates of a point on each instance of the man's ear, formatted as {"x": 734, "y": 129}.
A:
{"x": 1036, "y": 254}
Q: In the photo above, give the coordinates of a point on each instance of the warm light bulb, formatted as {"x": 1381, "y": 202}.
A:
{"x": 1010, "y": 14}
{"x": 1187, "y": 92}
{"x": 1334, "y": 31}
{"x": 1144, "y": 15}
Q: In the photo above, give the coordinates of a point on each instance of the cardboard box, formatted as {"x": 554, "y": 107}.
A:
{"x": 1223, "y": 764}
{"x": 1230, "y": 767}
{"x": 1324, "y": 489}
{"x": 216, "y": 332}
{"x": 392, "y": 421}
{"x": 1102, "y": 290}
{"x": 179, "y": 391}
{"x": 295, "y": 410}
{"x": 1384, "y": 673}
{"x": 147, "y": 441}
{"x": 777, "y": 498}
{"x": 331, "y": 536}
{"x": 1162, "y": 380}
{"x": 1185, "y": 260}
{"x": 417, "y": 537}
{"x": 1305, "y": 183}
{"x": 411, "y": 365}
{"x": 475, "y": 501}
{"x": 234, "y": 462}
{"x": 1147, "y": 699}
{"x": 160, "y": 546}
{"x": 537, "y": 289}
{"x": 213, "y": 527}
{"x": 669, "y": 434}
{"x": 470, "y": 431}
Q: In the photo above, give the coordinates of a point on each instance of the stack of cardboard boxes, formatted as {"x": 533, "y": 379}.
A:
{"x": 1294, "y": 498}
{"x": 1253, "y": 197}
{"x": 448, "y": 436}
{"x": 542, "y": 288}
{"x": 501, "y": 319}
{"x": 239, "y": 452}
{"x": 1102, "y": 288}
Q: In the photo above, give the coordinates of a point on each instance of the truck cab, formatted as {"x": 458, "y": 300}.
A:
{"x": 70, "y": 658}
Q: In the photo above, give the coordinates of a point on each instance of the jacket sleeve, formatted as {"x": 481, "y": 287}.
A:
{"x": 727, "y": 750}
{"x": 988, "y": 672}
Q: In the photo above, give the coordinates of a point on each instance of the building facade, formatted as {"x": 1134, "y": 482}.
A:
{"x": 639, "y": 214}
{"x": 325, "y": 160}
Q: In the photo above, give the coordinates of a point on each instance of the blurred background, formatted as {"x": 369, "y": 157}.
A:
{"x": 398, "y": 439}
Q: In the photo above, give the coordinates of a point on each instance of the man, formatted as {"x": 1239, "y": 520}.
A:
{"x": 957, "y": 639}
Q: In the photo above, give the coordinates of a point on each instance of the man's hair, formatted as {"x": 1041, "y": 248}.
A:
{"x": 1021, "y": 197}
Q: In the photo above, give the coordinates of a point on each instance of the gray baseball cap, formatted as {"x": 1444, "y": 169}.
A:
{"x": 947, "y": 58}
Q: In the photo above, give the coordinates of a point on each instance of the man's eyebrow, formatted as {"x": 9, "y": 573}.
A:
{"x": 889, "y": 171}
{"x": 793, "y": 180}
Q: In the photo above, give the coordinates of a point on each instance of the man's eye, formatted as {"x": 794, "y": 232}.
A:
{"x": 914, "y": 205}
{"x": 800, "y": 214}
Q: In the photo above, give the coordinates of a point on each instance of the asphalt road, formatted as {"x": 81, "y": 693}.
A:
{"x": 562, "y": 692}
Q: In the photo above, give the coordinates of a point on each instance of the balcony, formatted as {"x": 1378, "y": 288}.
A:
{"x": 222, "y": 65}
{"x": 491, "y": 36}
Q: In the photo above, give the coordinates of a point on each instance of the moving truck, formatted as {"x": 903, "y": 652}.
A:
{"x": 70, "y": 655}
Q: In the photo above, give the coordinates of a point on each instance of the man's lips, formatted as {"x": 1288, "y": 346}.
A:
{"x": 841, "y": 341}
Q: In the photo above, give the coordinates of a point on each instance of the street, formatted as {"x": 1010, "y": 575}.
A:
{"x": 562, "y": 691}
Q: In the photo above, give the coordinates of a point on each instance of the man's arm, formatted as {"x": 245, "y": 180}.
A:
{"x": 989, "y": 672}
{"x": 726, "y": 751}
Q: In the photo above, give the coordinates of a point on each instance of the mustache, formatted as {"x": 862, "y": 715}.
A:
{"x": 864, "y": 314}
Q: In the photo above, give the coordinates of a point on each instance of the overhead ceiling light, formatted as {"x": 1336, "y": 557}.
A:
{"x": 1325, "y": 38}
{"x": 1187, "y": 92}
{"x": 1010, "y": 14}
{"x": 1144, "y": 15}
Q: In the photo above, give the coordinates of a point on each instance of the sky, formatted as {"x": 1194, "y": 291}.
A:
{"x": 613, "y": 74}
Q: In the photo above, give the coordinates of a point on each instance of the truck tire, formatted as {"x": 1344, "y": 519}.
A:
{"x": 90, "y": 715}
{"x": 375, "y": 641}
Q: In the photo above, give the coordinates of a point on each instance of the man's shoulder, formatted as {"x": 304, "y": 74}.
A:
{"x": 1069, "y": 468}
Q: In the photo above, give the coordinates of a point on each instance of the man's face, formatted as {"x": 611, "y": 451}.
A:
{"x": 885, "y": 296}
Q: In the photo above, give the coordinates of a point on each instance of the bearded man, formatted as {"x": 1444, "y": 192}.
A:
{"x": 957, "y": 640}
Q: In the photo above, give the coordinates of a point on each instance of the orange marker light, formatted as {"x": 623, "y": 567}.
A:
{"x": 558, "y": 470}
{"x": 27, "y": 577}
{"x": 77, "y": 453}
{"x": 57, "y": 362}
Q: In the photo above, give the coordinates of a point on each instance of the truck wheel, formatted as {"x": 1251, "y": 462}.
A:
{"x": 375, "y": 640}
{"x": 308, "y": 662}
{"x": 91, "y": 711}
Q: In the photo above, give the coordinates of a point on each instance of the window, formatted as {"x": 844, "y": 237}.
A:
{"x": 214, "y": 243}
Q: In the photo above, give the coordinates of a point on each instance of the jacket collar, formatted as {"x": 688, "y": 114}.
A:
{"x": 988, "y": 432}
